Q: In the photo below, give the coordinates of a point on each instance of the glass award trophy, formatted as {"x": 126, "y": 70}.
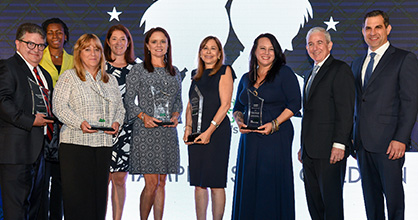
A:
{"x": 39, "y": 104}
{"x": 196, "y": 102}
{"x": 255, "y": 111}
{"x": 161, "y": 107}
{"x": 101, "y": 123}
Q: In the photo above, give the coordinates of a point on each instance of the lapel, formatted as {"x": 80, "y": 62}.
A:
{"x": 357, "y": 66}
{"x": 306, "y": 76}
{"x": 387, "y": 56}
{"x": 321, "y": 73}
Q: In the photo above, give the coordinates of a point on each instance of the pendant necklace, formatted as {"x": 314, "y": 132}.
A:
{"x": 56, "y": 56}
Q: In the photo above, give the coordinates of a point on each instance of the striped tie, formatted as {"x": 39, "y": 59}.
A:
{"x": 50, "y": 126}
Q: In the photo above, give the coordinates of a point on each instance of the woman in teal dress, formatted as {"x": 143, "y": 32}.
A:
{"x": 264, "y": 186}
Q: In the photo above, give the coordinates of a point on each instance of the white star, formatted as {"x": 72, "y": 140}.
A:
{"x": 114, "y": 14}
{"x": 331, "y": 24}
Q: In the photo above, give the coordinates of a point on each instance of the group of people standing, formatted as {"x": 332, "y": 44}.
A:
{"x": 106, "y": 110}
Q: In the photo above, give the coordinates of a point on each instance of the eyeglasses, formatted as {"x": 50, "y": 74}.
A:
{"x": 32, "y": 45}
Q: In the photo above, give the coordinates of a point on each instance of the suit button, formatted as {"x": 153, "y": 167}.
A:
{"x": 363, "y": 100}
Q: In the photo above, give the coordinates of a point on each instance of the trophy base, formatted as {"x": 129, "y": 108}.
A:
{"x": 101, "y": 128}
{"x": 252, "y": 128}
{"x": 51, "y": 118}
{"x": 192, "y": 137}
{"x": 164, "y": 123}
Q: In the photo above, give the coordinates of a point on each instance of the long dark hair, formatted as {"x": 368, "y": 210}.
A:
{"x": 201, "y": 66}
{"x": 147, "y": 55}
{"x": 278, "y": 62}
{"x": 129, "y": 53}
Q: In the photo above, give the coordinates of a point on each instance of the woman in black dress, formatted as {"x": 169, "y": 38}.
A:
{"x": 209, "y": 151}
{"x": 120, "y": 57}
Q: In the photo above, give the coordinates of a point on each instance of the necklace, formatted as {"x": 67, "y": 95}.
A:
{"x": 57, "y": 56}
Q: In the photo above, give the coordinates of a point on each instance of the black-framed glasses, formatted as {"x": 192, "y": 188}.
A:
{"x": 32, "y": 45}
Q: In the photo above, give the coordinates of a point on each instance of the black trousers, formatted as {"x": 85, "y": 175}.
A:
{"x": 324, "y": 188}
{"x": 21, "y": 190}
{"x": 382, "y": 178}
{"x": 84, "y": 176}
{"x": 51, "y": 207}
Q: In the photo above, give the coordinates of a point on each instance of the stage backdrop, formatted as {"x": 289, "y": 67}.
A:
{"x": 236, "y": 23}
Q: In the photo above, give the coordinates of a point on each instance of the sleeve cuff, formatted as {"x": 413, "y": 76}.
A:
{"x": 338, "y": 146}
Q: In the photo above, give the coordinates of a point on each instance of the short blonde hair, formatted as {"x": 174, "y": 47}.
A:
{"x": 84, "y": 41}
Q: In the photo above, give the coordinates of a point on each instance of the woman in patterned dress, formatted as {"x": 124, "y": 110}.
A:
{"x": 154, "y": 149}
{"x": 120, "y": 58}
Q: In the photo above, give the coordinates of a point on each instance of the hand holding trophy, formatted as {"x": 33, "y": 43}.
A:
{"x": 255, "y": 109}
{"x": 196, "y": 102}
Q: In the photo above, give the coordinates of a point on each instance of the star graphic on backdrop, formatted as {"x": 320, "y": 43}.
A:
{"x": 114, "y": 14}
{"x": 331, "y": 24}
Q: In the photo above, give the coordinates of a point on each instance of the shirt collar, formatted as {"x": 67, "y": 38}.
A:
{"x": 28, "y": 64}
{"x": 322, "y": 62}
{"x": 381, "y": 50}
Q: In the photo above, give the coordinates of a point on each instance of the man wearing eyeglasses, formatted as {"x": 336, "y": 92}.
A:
{"x": 22, "y": 130}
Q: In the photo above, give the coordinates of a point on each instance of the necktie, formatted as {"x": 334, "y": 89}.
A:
{"x": 50, "y": 126}
{"x": 314, "y": 72}
{"x": 369, "y": 69}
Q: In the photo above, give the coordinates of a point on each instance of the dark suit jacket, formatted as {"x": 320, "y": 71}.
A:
{"x": 387, "y": 108}
{"x": 20, "y": 142}
{"x": 328, "y": 110}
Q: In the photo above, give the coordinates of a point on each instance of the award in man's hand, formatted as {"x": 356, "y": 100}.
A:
{"x": 40, "y": 100}
{"x": 255, "y": 111}
{"x": 196, "y": 102}
{"x": 161, "y": 107}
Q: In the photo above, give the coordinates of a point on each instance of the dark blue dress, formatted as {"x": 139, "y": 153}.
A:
{"x": 264, "y": 186}
{"x": 208, "y": 164}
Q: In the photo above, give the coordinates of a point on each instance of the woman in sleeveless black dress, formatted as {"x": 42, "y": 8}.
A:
{"x": 209, "y": 152}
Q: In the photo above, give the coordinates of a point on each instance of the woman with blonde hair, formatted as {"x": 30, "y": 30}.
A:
{"x": 88, "y": 103}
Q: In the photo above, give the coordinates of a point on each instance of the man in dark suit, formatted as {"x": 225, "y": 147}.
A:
{"x": 21, "y": 130}
{"x": 386, "y": 109}
{"x": 328, "y": 106}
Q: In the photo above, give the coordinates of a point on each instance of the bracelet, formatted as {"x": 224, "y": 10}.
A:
{"x": 187, "y": 126}
{"x": 214, "y": 123}
{"x": 141, "y": 116}
{"x": 275, "y": 126}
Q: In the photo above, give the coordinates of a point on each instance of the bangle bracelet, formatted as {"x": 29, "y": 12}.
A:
{"x": 214, "y": 123}
{"x": 275, "y": 126}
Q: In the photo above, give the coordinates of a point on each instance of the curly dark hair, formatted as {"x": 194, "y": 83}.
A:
{"x": 57, "y": 21}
